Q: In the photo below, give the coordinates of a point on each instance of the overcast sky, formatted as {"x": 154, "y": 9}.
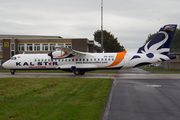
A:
{"x": 130, "y": 21}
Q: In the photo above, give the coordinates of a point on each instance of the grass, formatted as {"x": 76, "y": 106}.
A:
{"x": 160, "y": 70}
{"x": 53, "y": 98}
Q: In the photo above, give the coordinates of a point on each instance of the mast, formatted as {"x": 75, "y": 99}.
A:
{"x": 102, "y": 25}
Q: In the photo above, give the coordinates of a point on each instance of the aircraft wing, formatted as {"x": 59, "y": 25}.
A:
{"x": 70, "y": 51}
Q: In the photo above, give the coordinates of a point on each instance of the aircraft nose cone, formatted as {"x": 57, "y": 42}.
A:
{"x": 5, "y": 65}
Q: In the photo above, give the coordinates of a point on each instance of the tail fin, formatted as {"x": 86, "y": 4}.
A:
{"x": 161, "y": 43}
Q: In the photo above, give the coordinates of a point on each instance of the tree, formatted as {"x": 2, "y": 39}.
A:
{"x": 110, "y": 43}
{"x": 176, "y": 40}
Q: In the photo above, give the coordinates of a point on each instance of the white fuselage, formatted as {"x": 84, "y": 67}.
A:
{"x": 89, "y": 61}
{"x": 70, "y": 60}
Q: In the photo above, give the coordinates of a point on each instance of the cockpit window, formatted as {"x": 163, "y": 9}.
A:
{"x": 13, "y": 58}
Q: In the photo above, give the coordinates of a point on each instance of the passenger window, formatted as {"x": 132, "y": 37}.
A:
{"x": 119, "y": 59}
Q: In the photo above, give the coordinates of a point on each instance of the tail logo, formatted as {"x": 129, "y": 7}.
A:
{"x": 158, "y": 48}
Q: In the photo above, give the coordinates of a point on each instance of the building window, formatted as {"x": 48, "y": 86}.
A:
{"x": 36, "y": 47}
{"x": 44, "y": 47}
{"x": 1, "y": 47}
{"x": 12, "y": 49}
{"x": 60, "y": 44}
{"x": 21, "y": 47}
{"x": 29, "y": 47}
{"x": 52, "y": 48}
{"x": 68, "y": 45}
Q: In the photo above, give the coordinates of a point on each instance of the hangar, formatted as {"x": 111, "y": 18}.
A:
{"x": 17, "y": 44}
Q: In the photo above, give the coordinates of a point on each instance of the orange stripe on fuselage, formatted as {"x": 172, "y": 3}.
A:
{"x": 120, "y": 56}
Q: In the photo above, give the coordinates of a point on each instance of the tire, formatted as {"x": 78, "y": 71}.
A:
{"x": 77, "y": 72}
{"x": 12, "y": 72}
{"x": 82, "y": 72}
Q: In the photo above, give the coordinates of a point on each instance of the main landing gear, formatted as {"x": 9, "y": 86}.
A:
{"x": 13, "y": 72}
{"x": 78, "y": 72}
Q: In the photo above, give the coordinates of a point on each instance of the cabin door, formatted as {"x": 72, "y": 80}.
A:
{"x": 35, "y": 61}
{"x": 127, "y": 59}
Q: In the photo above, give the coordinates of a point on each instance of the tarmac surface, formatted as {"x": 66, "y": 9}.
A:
{"x": 143, "y": 99}
{"x": 135, "y": 94}
{"x": 133, "y": 73}
{"x": 139, "y": 95}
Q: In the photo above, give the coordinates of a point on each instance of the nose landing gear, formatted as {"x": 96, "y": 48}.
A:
{"x": 13, "y": 72}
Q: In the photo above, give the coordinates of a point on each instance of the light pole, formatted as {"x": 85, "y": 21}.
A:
{"x": 102, "y": 25}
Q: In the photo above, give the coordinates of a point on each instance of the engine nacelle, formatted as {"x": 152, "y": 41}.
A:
{"x": 57, "y": 54}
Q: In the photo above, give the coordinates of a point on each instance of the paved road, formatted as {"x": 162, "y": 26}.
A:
{"x": 134, "y": 73}
{"x": 144, "y": 99}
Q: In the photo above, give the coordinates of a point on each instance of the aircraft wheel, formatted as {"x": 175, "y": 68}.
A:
{"x": 12, "y": 72}
{"x": 82, "y": 72}
{"x": 77, "y": 72}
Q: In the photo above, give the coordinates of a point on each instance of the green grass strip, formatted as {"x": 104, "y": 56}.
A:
{"x": 53, "y": 98}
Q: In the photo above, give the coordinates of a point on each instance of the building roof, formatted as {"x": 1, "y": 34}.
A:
{"x": 28, "y": 36}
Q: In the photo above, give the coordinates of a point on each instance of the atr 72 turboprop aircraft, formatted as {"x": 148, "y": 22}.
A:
{"x": 70, "y": 60}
